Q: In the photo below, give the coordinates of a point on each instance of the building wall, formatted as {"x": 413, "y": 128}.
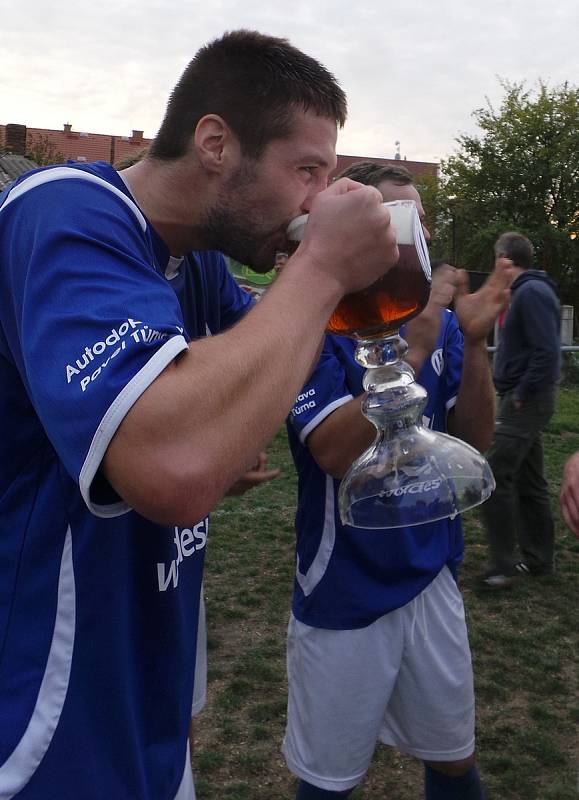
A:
{"x": 82, "y": 146}
{"x": 73, "y": 145}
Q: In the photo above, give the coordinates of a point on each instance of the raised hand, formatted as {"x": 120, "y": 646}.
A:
{"x": 477, "y": 312}
{"x": 422, "y": 332}
{"x": 349, "y": 237}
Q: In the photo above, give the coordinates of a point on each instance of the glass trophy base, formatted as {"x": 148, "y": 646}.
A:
{"x": 419, "y": 476}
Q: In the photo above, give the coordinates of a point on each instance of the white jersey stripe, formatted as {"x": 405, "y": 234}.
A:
{"x": 186, "y": 790}
{"x": 22, "y": 763}
{"x": 62, "y": 173}
{"x": 309, "y": 580}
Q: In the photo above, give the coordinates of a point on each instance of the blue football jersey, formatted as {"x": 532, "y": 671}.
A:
{"x": 98, "y": 606}
{"x": 348, "y": 577}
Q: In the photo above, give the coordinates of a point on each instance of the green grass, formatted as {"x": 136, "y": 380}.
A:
{"x": 524, "y": 644}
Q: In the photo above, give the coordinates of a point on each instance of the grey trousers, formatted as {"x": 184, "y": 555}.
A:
{"x": 519, "y": 511}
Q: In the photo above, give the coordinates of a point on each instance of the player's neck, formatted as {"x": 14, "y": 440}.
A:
{"x": 170, "y": 195}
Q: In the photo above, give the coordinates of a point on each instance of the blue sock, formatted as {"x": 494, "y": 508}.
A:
{"x": 438, "y": 786}
{"x": 308, "y": 792}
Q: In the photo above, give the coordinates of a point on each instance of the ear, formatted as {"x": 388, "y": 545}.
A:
{"x": 216, "y": 146}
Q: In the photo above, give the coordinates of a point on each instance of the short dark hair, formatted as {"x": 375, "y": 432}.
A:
{"x": 517, "y": 248}
{"x": 372, "y": 174}
{"x": 256, "y": 83}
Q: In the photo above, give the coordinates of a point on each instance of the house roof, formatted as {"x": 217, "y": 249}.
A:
{"x": 12, "y": 166}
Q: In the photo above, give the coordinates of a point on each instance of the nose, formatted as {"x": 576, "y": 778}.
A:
{"x": 315, "y": 187}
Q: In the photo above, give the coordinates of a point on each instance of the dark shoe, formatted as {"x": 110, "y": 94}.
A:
{"x": 504, "y": 579}
{"x": 494, "y": 579}
{"x": 541, "y": 570}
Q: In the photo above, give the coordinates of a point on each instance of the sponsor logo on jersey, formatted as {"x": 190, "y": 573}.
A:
{"x": 187, "y": 541}
{"x": 305, "y": 406}
{"x": 94, "y": 358}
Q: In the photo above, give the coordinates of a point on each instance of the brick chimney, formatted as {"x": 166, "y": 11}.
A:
{"x": 67, "y": 127}
{"x": 15, "y": 139}
{"x": 137, "y": 136}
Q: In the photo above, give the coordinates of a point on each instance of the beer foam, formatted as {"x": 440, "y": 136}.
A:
{"x": 403, "y": 216}
{"x": 297, "y": 228}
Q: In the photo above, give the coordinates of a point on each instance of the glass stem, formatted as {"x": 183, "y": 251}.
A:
{"x": 394, "y": 400}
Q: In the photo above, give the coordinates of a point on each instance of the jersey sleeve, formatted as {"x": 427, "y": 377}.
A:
{"x": 326, "y": 390}
{"x": 94, "y": 321}
{"x": 453, "y": 357}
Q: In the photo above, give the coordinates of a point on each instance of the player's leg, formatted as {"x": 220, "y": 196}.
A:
{"x": 431, "y": 712}
{"x": 453, "y": 780}
{"x": 308, "y": 792}
{"x": 339, "y": 684}
{"x": 537, "y": 528}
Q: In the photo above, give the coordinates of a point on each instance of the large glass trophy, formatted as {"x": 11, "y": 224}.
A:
{"x": 410, "y": 475}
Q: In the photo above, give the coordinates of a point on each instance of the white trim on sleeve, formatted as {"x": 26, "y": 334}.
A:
{"x": 321, "y": 416}
{"x": 113, "y": 418}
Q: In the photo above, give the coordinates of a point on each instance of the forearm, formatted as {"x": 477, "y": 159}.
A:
{"x": 421, "y": 335}
{"x": 202, "y": 423}
{"x": 416, "y": 356}
{"x": 474, "y": 412}
{"x": 341, "y": 438}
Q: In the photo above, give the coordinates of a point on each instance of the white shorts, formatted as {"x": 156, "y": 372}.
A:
{"x": 200, "y": 685}
{"x": 406, "y": 680}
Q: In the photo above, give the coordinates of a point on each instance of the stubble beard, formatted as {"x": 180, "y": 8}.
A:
{"x": 236, "y": 227}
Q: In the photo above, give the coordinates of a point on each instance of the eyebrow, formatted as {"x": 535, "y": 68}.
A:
{"x": 315, "y": 161}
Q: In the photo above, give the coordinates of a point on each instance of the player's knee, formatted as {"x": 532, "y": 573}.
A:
{"x": 453, "y": 769}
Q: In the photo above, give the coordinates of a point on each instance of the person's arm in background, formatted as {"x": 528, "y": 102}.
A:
{"x": 203, "y": 421}
{"x": 569, "y": 494}
{"x": 472, "y": 417}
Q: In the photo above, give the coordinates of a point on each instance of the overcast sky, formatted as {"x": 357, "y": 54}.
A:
{"x": 413, "y": 70}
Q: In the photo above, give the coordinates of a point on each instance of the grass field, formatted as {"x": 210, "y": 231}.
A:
{"x": 524, "y": 643}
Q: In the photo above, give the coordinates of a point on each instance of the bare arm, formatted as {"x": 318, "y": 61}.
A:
{"x": 422, "y": 332}
{"x": 569, "y": 496}
{"x": 203, "y": 421}
{"x": 472, "y": 418}
{"x": 337, "y": 441}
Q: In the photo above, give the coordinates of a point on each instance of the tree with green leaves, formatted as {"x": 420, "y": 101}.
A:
{"x": 520, "y": 172}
